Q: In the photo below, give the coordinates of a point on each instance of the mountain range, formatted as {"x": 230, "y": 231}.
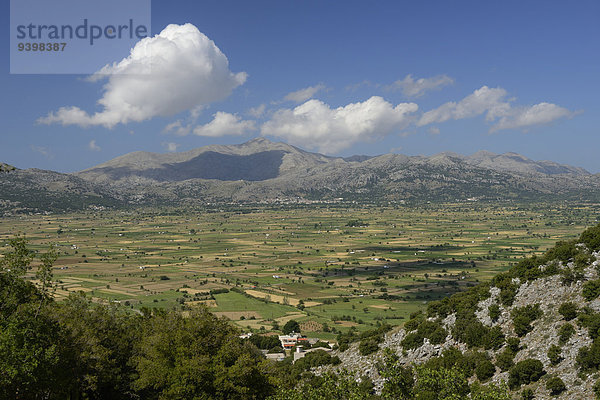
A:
{"x": 263, "y": 171}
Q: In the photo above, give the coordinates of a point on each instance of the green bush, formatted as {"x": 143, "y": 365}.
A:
{"x": 588, "y": 358}
{"x": 565, "y": 332}
{"x": 494, "y": 339}
{"x": 412, "y": 341}
{"x": 524, "y": 316}
{"x": 527, "y": 394}
{"x": 591, "y": 238}
{"x": 475, "y": 334}
{"x": 368, "y": 346}
{"x": 494, "y": 312}
{"x": 525, "y": 372}
{"x": 563, "y": 251}
{"x": 485, "y": 370}
{"x": 555, "y": 385}
{"x": 514, "y": 343}
{"x": 591, "y": 320}
{"x": 555, "y": 354}
{"x": 314, "y": 359}
{"x": 568, "y": 310}
{"x": 504, "y": 360}
{"x": 490, "y": 392}
{"x": 597, "y": 389}
{"x": 432, "y": 330}
{"x": 591, "y": 290}
{"x": 582, "y": 259}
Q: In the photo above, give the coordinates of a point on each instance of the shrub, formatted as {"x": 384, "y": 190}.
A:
{"x": 591, "y": 320}
{"x": 490, "y": 392}
{"x": 588, "y": 358}
{"x": 494, "y": 339}
{"x": 571, "y": 275}
{"x": 591, "y": 238}
{"x": 555, "y": 385}
{"x": 527, "y": 394}
{"x": 432, "y": 330}
{"x": 508, "y": 290}
{"x": 525, "y": 372}
{"x": 568, "y": 310}
{"x": 523, "y": 316}
{"x": 368, "y": 346}
{"x": 315, "y": 359}
{"x": 597, "y": 389}
{"x": 504, "y": 360}
{"x": 514, "y": 343}
{"x": 591, "y": 290}
{"x": 485, "y": 370}
{"x": 582, "y": 260}
{"x": 565, "y": 332}
{"x": 494, "y": 312}
{"x": 555, "y": 354}
{"x": 471, "y": 331}
{"x": 563, "y": 251}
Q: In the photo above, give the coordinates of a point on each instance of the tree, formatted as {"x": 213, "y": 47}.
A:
{"x": 200, "y": 356}
{"x": 33, "y": 358}
{"x": 555, "y": 385}
{"x": 440, "y": 384}
{"x": 525, "y": 372}
{"x": 330, "y": 387}
{"x": 490, "y": 392}
{"x": 399, "y": 380}
{"x": 291, "y": 326}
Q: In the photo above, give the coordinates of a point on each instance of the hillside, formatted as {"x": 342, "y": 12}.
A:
{"x": 263, "y": 171}
{"x": 6, "y": 168}
{"x": 535, "y": 327}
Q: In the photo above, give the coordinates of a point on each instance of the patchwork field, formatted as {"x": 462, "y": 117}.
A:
{"x": 332, "y": 267}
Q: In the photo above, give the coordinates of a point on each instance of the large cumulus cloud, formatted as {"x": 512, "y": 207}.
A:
{"x": 316, "y": 125}
{"x": 177, "y": 70}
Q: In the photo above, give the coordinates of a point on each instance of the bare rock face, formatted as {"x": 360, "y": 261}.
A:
{"x": 549, "y": 293}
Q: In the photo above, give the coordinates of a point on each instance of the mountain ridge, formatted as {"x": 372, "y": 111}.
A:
{"x": 264, "y": 171}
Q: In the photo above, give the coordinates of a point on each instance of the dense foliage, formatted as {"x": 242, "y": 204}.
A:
{"x": 77, "y": 349}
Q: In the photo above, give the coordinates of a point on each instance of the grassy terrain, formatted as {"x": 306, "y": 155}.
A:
{"x": 337, "y": 266}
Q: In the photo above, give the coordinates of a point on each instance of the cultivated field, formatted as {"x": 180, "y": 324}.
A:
{"x": 329, "y": 267}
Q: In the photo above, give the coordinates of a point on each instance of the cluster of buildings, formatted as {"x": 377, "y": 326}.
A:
{"x": 288, "y": 342}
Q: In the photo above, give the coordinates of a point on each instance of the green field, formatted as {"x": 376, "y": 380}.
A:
{"x": 336, "y": 266}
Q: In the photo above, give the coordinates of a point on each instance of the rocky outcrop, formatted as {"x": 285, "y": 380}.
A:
{"x": 549, "y": 293}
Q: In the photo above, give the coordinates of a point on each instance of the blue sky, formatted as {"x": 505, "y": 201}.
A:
{"x": 341, "y": 78}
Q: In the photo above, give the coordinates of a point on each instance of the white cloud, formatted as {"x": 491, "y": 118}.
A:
{"x": 177, "y": 70}
{"x": 497, "y": 109}
{"x": 178, "y": 128}
{"x": 304, "y": 94}
{"x": 434, "y": 130}
{"x": 316, "y": 125}
{"x": 482, "y": 100}
{"x": 171, "y": 147}
{"x": 225, "y": 124}
{"x": 43, "y": 151}
{"x": 257, "y": 112}
{"x": 524, "y": 117}
{"x": 417, "y": 88}
{"x": 93, "y": 146}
